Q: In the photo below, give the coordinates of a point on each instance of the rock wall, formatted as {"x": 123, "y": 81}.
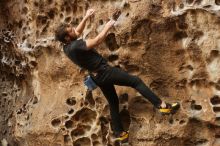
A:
{"x": 173, "y": 46}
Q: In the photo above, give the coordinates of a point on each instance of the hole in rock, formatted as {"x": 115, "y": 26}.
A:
{"x": 189, "y": 67}
{"x": 4, "y": 94}
{"x": 104, "y": 132}
{"x": 217, "y": 86}
{"x": 51, "y": 14}
{"x": 5, "y": 132}
{"x": 123, "y": 98}
{"x": 85, "y": 115}
{"x": 68, "y": 19}
{"x": 207, "y": 6}
{"x": 63, "y": 129}
{"x": 181, "y": 6}
{"x": 197, "y": 107}
{"x": 71, "y": 101}
{"x": 101, "y": 22}
{"x": 81, "y": 9}
{"x": 214, "y": 53}
{"x": 36, "y": 4}
{"x": 200, "y": 142}
{"x": 197, "y": 35}
{"x": 70, "y": 111}
{"x": 125, "y": 118}
{"x": 94, "y": 136}
{"x": 180, "y": 52}
{"x": 89, "y": 98}
{"x": 25, "y": 10}
{"x": 87, "y": 6}
{"x": 127, "y": 14}
{"x": 180, "y": 35}
{"x": 69, "y": 124}
{"x": 116, "y": 143}
{"x": 126, "y": 5}
{"x": 182, "y": 122}
{"x": 171, "y": 121}
{"x": 55, "y": 122}
{"x": 217, "y": 2}
{"x": 84, "y": 141}
{"x": 217, "y": 119}
{"x": 116, "y": 14}
{"x": 103, "y": 120}
{"x": 80, "y": 130}
{"x": 66, "y": 117}
{"x": 62, "y": 8}
{"x": 41, "y": 20}
{"x": 140, "y": 29}
{"x": 86, "y": 103}
{"x": 76, "y": 22}
{"x": 216, "y": 109}
{"x": 81, "y": 104}
{"x": 67, "y": 139}
{"x": 1, "y": 55}
{"x": 96, "y": 143}
{"x": 111, "y": 42}
{"x": 17, "y": 62}
{"x": 132, "y": 68}
{"x": 112, "y": 57}
{"x": 155, "y": 8}
{"x": 33, "y": 63}
{"x": 215, "y": 100}
{"x": 68, "y": 10}
{"x": 61, "y": 15}
{"x": 49, "y": 1}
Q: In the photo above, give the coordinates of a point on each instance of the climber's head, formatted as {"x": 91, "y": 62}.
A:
{"x": 65, "y": 33}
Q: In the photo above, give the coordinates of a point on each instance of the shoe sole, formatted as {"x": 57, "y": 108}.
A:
{"x": 172, "y": 111}
{"x": 175, "y": 109}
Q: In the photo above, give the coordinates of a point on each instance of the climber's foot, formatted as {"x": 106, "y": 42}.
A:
{"x": 123, "y": 137}
{"x": 169, "y": 108}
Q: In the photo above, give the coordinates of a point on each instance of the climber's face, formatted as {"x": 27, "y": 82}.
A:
{"x": 71, "y": 33}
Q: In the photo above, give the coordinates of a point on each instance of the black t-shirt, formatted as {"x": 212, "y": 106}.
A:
{"x": 88, "y": 59}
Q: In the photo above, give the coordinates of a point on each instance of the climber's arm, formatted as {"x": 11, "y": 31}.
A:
{"x": 82, "y": 24}
{"x": 91, "y": 43}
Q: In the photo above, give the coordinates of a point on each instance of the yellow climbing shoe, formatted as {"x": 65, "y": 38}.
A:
{"x": 123, "y": 137}
{"x": 170, "y": 108}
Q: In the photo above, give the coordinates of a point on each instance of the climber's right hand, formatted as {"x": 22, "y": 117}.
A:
{"x": 110, "y": 24}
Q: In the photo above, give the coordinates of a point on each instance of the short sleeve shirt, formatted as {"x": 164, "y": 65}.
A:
{"x": 86, "y": 58}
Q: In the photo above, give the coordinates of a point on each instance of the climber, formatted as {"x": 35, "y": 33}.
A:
{"x": 83, "y": 53}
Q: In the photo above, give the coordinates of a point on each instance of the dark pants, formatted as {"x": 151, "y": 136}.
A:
{"x": 111, "y": 76}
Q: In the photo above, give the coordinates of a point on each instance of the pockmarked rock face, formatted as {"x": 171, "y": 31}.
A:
{"x": 173, "y": 46}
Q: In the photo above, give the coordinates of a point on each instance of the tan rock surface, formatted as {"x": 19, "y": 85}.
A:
{"x": 172, "y": 45}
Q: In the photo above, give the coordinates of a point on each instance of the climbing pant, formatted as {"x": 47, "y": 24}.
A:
{"x": 110, "y": 76}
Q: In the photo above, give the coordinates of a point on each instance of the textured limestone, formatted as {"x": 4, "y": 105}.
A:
{"x": 172, "y": 45}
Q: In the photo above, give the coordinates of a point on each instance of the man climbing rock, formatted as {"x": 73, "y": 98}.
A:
{"x": 83, "y": 53}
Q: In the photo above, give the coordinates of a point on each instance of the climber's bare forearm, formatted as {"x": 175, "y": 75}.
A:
{"x": 81, "y": 25}
{"x": 91, "y": 43}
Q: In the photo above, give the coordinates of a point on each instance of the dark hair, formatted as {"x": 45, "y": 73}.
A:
{"x": 61, "y": 33}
